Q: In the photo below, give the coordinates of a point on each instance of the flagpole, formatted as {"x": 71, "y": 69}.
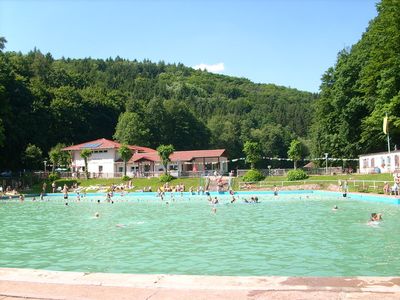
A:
{"x": 388, "y": 138}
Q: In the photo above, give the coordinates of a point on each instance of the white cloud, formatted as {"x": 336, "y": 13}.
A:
{"x": 216, "y": 68}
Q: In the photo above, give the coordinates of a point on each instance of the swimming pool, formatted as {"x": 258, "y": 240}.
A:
{"x": 288, "y": 235}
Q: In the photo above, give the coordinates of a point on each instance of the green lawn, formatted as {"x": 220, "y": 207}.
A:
{"x": 140, "y": 183}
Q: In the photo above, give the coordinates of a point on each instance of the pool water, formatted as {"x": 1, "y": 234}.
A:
{"x": 285, "y": 235}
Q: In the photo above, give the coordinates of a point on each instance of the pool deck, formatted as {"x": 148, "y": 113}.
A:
{"x": 51, "y": 285}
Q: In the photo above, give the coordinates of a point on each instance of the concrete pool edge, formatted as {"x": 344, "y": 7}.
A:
{"x": 42, "y": 284}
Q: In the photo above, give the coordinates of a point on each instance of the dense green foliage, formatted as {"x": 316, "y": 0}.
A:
{"x": 53, "y": 176}
{"x": 32, "y": 157}
{"x": 253, "y": 153}
{"x": 165, "y": 151}
{"x": 58, "y": 157}
{"x": 166, "y": 178}
{"x": 297, "y": 174}
{"x": 358, "y": 91}
{"x": 46, "y": 101}
{"x": 295, "y": 152}
{"x": 253, "y": 175}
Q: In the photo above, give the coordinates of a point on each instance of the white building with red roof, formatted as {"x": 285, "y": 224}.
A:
{"x": 184, "y": 163}
{"x": 105, "y": 160}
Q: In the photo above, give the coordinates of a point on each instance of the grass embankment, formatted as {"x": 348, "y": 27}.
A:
{"x": 324, "y": 181}
{"x": 95, "y": 184}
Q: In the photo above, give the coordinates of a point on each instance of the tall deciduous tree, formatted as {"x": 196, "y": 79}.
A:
{"x": 295, "y": 152}
{"x": 126, "y": 154}
{"x": 253, "y": 153}
{"x": 57, "y": 156}
{"x": 165, "y": 151}
{"x": 33, "y": 157}
{"x": 131, "y": 129}
{"x": 85, "y": 154}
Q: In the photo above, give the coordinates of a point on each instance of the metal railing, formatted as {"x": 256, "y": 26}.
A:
{"x": 363, "y": 184}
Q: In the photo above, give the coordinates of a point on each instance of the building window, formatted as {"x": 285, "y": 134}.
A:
{"x": 372, "y": 162}
{"x": 120, "y": 169}
{"x": 365, "y": 163}
{"x": 100, "y": 169}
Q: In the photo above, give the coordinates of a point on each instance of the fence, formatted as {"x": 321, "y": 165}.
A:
{"x": 283, "y": 172}
{"x": 357, "y": 185}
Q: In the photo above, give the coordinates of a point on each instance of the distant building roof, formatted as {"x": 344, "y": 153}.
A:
{"x": 380, "y": 153}
{"x": 179, "y": 155}
{"x": 310, "y": 165}
{"x": 105, "y": 144}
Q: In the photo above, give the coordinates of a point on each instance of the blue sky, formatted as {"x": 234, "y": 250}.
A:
{"x": 287, "y": 42}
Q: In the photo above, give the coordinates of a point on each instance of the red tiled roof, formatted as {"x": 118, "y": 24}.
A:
{"x": 105, "y": 144}
{"x": 141, "y": 149}
{"x": 179, "y": 155}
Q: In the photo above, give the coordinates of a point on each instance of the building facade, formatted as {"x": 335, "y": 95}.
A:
{"x": 105, "y": 161}
{"x": 382, "y": 162}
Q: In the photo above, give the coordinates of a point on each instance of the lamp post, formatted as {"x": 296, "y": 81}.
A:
{"x": 326, "y": 163}
{"x": 269, "y": 170}
{"x": 45, "y": 165}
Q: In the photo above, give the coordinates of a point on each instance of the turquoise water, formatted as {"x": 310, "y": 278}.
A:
{"x": 285, "y": 235}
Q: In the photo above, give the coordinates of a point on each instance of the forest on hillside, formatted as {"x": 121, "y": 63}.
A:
{"x": 46, "y": 101}
{"x": 362, "y": 87}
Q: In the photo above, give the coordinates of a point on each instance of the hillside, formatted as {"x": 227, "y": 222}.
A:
{"x": 45, "y": 101}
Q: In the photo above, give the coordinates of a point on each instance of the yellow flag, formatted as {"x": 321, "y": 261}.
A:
{"x": 385, "y": 125}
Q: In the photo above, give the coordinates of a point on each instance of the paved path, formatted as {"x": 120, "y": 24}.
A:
{"x": 51, "y": 285}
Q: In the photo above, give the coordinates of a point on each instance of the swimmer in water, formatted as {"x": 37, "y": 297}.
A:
{"x": 96, "y": 215}
{"x": 335, "y": 208}
{"x": 214, "y": 210}
{"x": 375, "y": 219}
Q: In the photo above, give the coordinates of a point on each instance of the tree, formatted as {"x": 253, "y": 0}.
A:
{"x": 253, "y": 153}
{"x": 33, "y": 157}
{"x": 3, "y": 42}
{"x": 164, "y": 151}
{"x": 131, "y": 129}
{"x": 57, "y": 156}
{"x": 295, "y": 152}
{"x": 126, "y": 154}
{"x": 85, "y": 154}
{"x": 2, "y": 135}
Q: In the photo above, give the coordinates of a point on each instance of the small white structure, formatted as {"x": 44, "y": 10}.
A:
{"x": 382, "y": 162}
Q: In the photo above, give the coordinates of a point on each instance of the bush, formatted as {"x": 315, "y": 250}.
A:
{"x": 54, "y": 176}
{"x": 126, "y": 178}
{"x": 68, "y": 182}
{"x": 253, "y": 175}
{"x": 298, "y": 174}
{"x": 166, "y": 178}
